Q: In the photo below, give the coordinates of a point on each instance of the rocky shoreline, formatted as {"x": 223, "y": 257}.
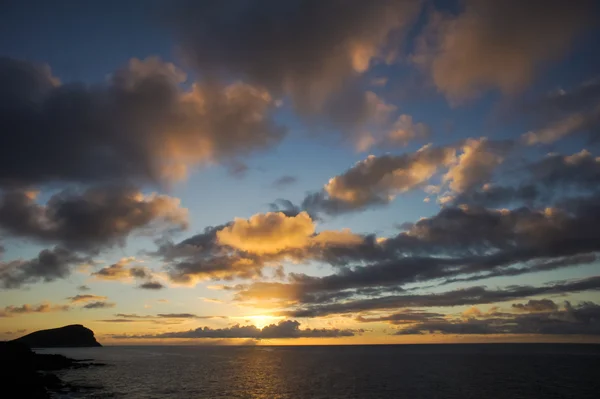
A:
{"x": 27, "y": 374}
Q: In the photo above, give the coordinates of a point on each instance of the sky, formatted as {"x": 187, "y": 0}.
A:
{"x": 301, "y": 172}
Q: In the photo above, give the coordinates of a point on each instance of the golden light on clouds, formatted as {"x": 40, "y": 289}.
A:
{"x": 268, "y": 233}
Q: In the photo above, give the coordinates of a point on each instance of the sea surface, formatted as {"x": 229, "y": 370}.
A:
{"x": 330, "y": 372}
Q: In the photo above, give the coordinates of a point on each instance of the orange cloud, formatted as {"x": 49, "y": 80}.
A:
{"x": 380, "y": 179}
{"x": 45, "y": 307}
{"x": 86, "y": 298}
{"x": 268, "y": 233}
{"x": 479, "y": 159}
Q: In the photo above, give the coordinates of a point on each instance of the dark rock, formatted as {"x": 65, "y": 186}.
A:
{"x": 26, "y": 374}
{"x": 19, "y": 374}
{"x": 71, "y": 336}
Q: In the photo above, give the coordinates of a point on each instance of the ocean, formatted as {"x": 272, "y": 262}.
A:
{"x": 482, "y": 371}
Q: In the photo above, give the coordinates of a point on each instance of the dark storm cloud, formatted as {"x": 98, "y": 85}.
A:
{"x": 284, "y": 329}
{"x": 49, "y": 265}
{"x": 312, "y": 51}
{"x": 140, "y": 125}
{"x": 467, "y": 296}
{"x": 151, "y": 285}
{"x": 99, "y": 305}
{"x": 90, "y": 219}
{"x": 583, "y": 319}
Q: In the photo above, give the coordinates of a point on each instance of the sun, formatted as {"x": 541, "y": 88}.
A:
{"x": 260, "y": 321}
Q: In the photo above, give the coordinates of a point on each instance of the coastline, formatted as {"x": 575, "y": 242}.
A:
{"x": 32, "y": 375}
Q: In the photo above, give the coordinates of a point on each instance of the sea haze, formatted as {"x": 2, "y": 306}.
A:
{"x": 350, "y": 372}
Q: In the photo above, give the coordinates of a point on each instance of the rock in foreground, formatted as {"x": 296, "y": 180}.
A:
{"x": 26, "y": 374}
{"x": 73, "y": 336}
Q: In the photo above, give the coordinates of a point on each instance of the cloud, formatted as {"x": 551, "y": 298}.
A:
{"x": 476, "y": 164}
{"x": 140, "y": 125}
{"x": 120, "y": 270}
{"x": 465, "y": 243}
{"x": 402, "y": 131}
{"x": 284, "y": 329}
{"x": 407, "y": 316}
{"x": 83, "y": 288}
{"x": 118, "y": 321}
{"x": 134, "y": 316}
{"x": 99, "y": 305}
{"x": 124, "y": 271}
{"x": 86, "y": 298}
{"x": 533, "y": 305}
{"x": 267, "y": 233}
{"x": 405, "y": 129}
{"x": 244, "y": 247}
{"x": 152, "y": 285}
{"x": 560, "y": 129}
{"x": 377, "y": 180}
{"x": 284, "y": 181}
{"x": 49, "y": 265}
{"x": 497, "y": 44}
{"x": 177, "y": 315}
{"x": 541, "y": 182}
{"x": 317, "y": 68}
{"x": 565, "y": 113}
{"x": 91, "y": 219}
{"x": 45, "y": 307}
{"x": 468, "y": 296}
{"x": 581, "y": 319}
{"x": 530, "y": 267}
{"x": 186, "y": 316}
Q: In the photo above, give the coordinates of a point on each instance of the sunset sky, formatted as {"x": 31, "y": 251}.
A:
{"x": 301, "y": 172}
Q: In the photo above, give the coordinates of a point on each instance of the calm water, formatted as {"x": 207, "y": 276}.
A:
{"x": 360, "y": 372}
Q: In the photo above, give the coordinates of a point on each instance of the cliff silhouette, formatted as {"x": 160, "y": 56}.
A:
{"x": 72, "y": 336}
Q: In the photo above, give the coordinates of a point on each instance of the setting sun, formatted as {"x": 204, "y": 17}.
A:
{"x": 261, "y": 321}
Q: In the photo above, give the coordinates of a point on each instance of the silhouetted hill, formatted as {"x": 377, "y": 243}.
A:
{"x": 71, "y": 336}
